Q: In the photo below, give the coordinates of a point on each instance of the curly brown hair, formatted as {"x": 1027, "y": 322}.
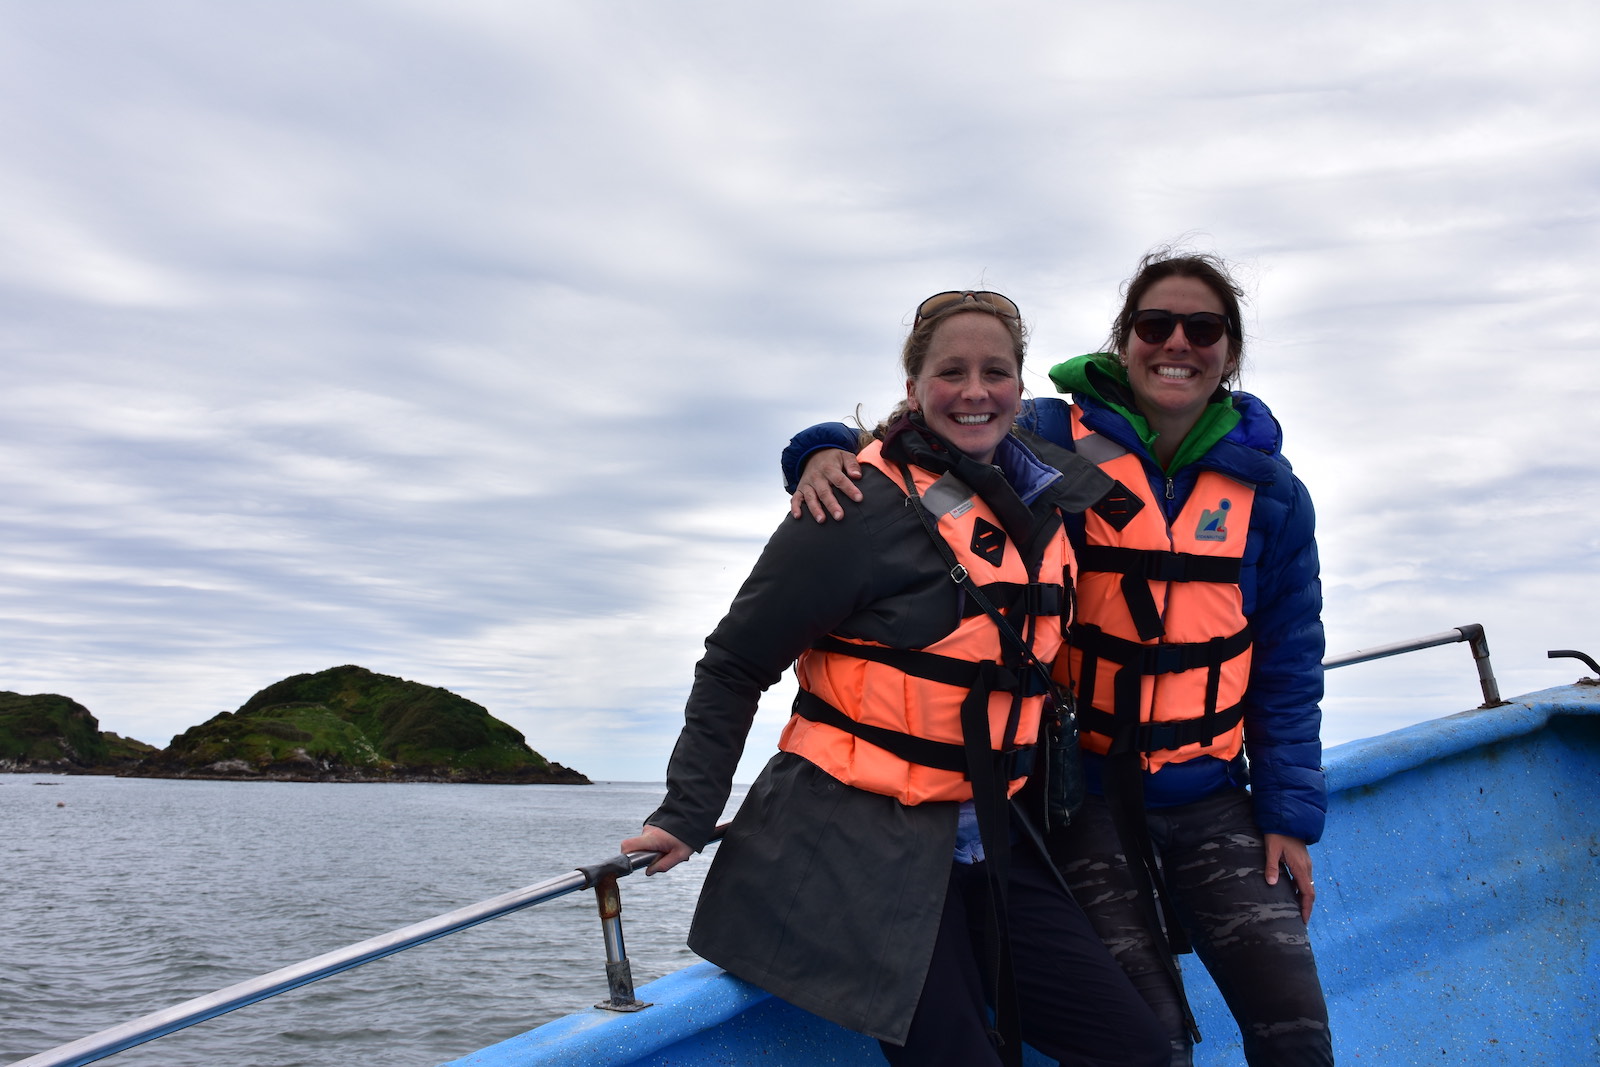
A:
{"x": 1166, "y": 262}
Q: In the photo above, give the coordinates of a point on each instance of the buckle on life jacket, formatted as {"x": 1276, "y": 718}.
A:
{"x": 1166, "y": 659}
{"x": 1015, "y": 598}
{"x": 1044, "y": 598}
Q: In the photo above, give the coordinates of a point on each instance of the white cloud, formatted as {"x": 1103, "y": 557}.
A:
{"x": 459, "y": 341}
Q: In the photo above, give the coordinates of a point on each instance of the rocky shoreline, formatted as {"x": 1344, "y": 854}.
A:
{"x": 240, "y": 771}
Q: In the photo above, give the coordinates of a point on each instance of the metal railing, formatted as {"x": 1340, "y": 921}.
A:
{"x": 601, "y": 877}
{"x": 1471, "y": 633}
{"x": 1572, "y": 653}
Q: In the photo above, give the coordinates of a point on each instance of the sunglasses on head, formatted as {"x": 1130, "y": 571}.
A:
{"x": 1202, "y": 328}
{"x": 940, "y": 301}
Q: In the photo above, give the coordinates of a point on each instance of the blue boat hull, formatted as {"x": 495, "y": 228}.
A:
{"x": 1455, "y": 918}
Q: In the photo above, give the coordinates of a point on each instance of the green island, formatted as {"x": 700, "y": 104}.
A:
{"x": 47, "y": 732}
{"x": 344, "y": 724}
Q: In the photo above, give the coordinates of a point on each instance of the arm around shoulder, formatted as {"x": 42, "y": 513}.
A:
{"x": 807, "y": 442}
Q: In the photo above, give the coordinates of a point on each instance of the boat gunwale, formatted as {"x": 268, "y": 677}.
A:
{"x": 1369, "y": 760}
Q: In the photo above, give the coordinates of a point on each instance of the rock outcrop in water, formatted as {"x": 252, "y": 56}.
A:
{"x": 47, "y": 732}
{"x": 345, "y": 724}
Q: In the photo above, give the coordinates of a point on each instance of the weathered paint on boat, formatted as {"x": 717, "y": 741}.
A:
{"x": 1455, "y": 921}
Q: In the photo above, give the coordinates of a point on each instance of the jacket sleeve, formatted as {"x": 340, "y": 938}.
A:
{"x": 808, "y": 578}
{"x": 1050, "y": 417}
{"x": 814, "y": 439}
{"x": 1283, "y": 714}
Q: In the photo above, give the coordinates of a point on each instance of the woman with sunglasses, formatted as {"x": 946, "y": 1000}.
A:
{"x": 879, "y": 873}
{"x": 1195, "y": 657}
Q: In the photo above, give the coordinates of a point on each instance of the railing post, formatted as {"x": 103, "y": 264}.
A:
{"x": 608, "y": 897}
{"x": 1473, "y": 634}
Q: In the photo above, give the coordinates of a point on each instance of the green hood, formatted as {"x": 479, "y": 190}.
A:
{"x": 1102, "y": 376}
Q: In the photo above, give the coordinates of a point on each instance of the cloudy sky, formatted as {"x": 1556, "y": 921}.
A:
{"x": 458, "y": 340}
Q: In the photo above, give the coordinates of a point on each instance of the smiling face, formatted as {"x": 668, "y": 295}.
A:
{"x": 970, "y": 386}
{"x": 1174, "y": 380}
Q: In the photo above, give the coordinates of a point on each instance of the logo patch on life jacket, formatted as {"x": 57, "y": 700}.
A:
{"x": 1118, "y": 506}
{"x": 1213, "y": 525}
{"x": 988, "y": 542}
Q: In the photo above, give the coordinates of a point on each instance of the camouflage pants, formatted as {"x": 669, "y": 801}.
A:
{"x": 1246, "y": 932}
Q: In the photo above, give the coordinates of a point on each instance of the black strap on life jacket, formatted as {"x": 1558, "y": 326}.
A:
{"x": 993, "y": 677}
{"x": 1135, "y": 661}
{"x": 1140, "y": 566}
{"x": 941, "y": 755}
{"x": 1124, "y": 793}
{"x": 1124, "y": 775}
{"x": 1163, "y": 736}
{"x": 989, "y": 793}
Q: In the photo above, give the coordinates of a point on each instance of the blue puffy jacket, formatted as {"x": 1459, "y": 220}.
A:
{"x": 1282, "y": 599}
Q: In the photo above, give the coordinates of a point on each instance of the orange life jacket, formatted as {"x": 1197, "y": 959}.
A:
{"x": 888, "y": 720}
{"x": 1160, "y": 653}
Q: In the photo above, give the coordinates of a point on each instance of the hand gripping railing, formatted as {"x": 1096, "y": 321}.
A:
{"x": 601, "y": 877}
{"x": 1472, "y": 633}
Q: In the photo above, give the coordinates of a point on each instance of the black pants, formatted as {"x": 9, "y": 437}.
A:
{"x": 1246, "y": 932}
{"x": 1076, "y": 1004}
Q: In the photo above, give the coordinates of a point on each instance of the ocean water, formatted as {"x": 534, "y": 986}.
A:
{"x": 120, "y": 897}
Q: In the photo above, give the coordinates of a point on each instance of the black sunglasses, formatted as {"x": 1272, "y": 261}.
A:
{"x": 939, "y": 301}
{"x": 1202, "y": 328}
